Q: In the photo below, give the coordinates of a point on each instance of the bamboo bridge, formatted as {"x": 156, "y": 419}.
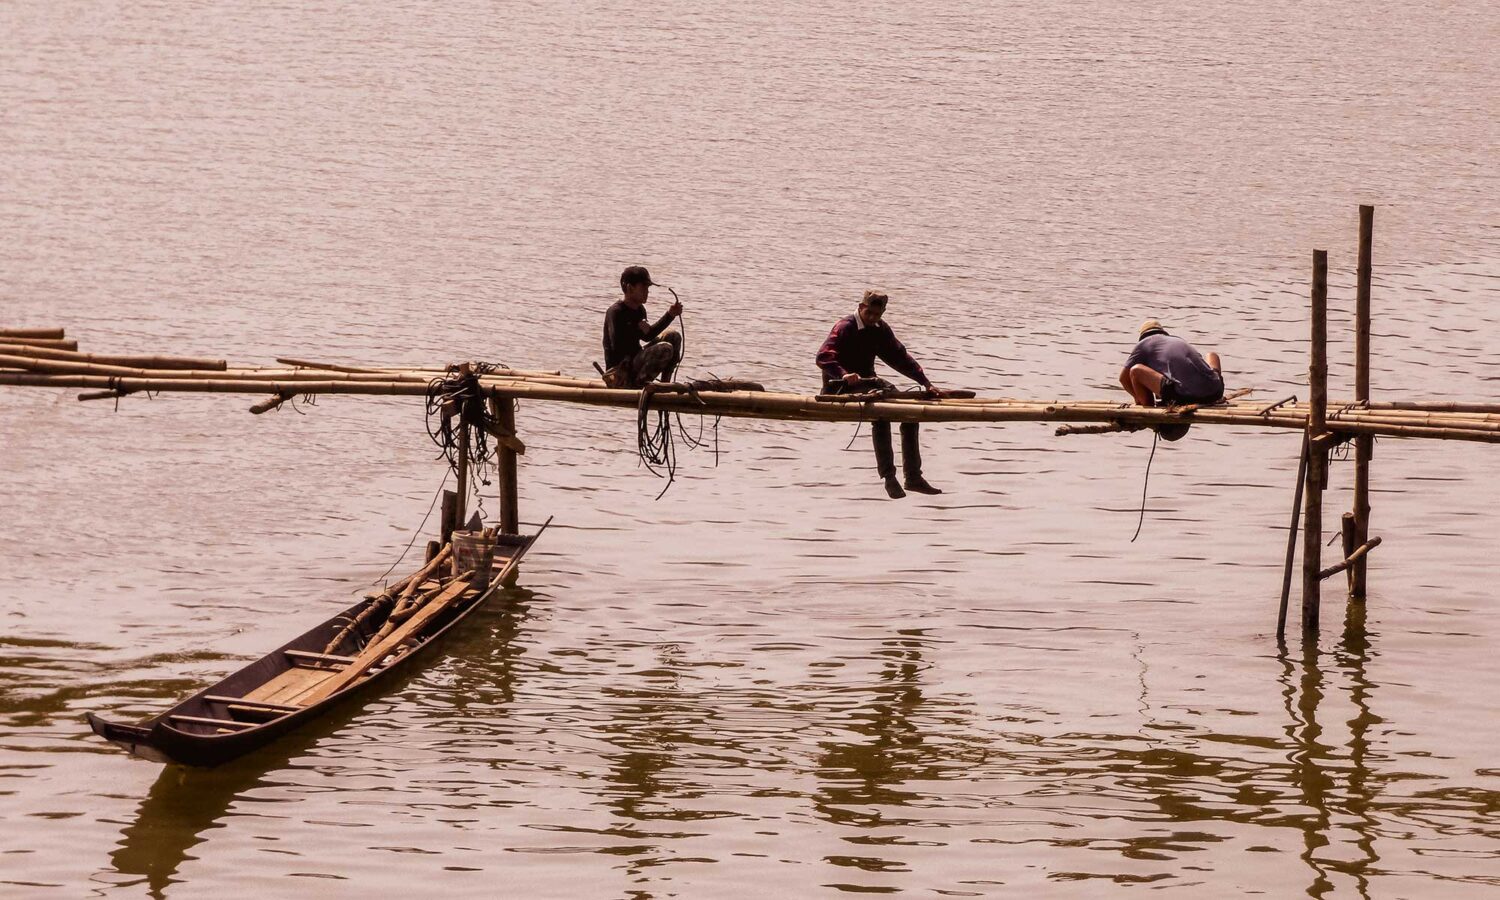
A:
{"x": 45, "y": 358}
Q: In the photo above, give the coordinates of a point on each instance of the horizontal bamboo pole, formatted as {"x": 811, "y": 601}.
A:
{"x": 142, "y": 362}
{"x": 429, "y": 373}
{"x": 750, "y": 404}
{"x": 78, "y": 367}
{"x": 331, "y": 367}
{"x": 54, "y": 343}
{"x": 1358, "y": 554}
{"x": 52, "y": 333}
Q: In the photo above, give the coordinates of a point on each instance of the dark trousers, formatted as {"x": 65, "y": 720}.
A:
{"x": 885, "y": 457}
{"x": 880, "y": 431}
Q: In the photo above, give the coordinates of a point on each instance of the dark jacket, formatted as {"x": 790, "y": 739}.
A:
{"x": 853, "y": 347}
{"x": 622, "y": 332}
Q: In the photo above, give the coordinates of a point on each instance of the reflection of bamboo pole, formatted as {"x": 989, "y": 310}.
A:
{"x": 1317, "y": 460}
{"x": 1364, "y": 445}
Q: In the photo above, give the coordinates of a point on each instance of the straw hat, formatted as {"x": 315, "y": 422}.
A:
{"x": 1150, "y": 325}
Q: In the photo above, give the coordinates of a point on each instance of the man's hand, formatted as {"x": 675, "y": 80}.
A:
{"x": 853, "y": 378}
{"x": 675, "y": 309}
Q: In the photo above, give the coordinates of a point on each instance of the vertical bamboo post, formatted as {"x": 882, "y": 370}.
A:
{"x": 462, "y": 418}
{"x": 1364, "y": 445}
{"x": 1291, "y": 541}
{"x": 463, "y": 467}
{"x": 448, "y": 513}
{"x": 503, "y": 408}
{"x": 1317, "y": 459}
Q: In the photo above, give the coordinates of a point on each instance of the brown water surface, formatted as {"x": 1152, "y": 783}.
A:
{"x": 772, "y": 681}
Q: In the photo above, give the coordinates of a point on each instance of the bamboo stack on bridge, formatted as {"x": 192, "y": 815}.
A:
{"x": 116, "y": 376}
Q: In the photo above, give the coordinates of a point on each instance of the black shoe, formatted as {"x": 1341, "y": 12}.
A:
{"x": 920, "y": 485}
{"x": 893, "y": 487}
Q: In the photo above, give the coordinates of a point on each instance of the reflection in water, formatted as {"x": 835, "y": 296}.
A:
{"x": 895, "y": 742}
{"x": 181, "y": 807}
{"x": 184, "y": 803}
{"x": 1327, "y": 797}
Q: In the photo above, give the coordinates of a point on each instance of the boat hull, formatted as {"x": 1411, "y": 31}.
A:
{"x": 161, "y": 739}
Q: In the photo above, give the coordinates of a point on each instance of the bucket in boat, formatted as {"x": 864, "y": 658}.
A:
{"x": 474, "y": 550}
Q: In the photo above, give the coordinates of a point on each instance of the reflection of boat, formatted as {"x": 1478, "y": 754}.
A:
{"x": 299, "y": 681}
{"x": 176, "y": 816}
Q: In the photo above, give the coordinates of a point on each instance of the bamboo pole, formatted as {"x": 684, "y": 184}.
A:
{"x": 54, "y": 343}
{"x": 142, "y": 362}
{"x": 462, "y": 502}
{"x": 373, "y": 654}
{"x": 1353, "y": 558}
{"x": 449, "y": 516}
{"x": 763, "y": 405}
{"x": 1317, "y": 461}
{"x": 1291, "y": 540}
{"x": 504, "y": 410}
{"x": 1364, "y": 445}
{"x": 56, "y": 334}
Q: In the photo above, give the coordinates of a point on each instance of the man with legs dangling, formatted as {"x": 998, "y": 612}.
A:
{"x": 847, "y": 359}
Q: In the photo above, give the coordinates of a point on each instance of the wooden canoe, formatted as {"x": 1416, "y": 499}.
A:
{"x": 266, "y": 699}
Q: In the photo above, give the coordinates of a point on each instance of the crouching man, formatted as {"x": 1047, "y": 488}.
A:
{"x": 635, "y": 352}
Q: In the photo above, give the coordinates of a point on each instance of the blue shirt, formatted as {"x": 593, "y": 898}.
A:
{"x": 1176, "y": 359}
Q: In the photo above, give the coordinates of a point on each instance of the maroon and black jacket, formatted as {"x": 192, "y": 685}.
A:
{"x": 853, "y": 347}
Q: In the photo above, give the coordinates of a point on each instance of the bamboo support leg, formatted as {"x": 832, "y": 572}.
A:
{"x": 1364, "y": 445}
{"x": 1317, "y": 461}
{"x": 463, "y": 472}
{"x": 1291, "y": 542}
{"x": 449, "y": 516}
{"x": 510, "y": 513}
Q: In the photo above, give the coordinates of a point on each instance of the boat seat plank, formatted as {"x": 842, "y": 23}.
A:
{"x": 219, "y": 723}
{"x": 258, "y": 704}
{"x": 318, "y": 657}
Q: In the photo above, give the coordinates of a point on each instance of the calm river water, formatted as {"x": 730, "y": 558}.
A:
{"x": 773, "y": 681}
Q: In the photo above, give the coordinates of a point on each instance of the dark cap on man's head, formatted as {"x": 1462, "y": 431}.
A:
{"x": 635, "y": 275}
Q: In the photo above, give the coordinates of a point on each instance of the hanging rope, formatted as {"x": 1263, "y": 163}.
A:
{"x": 1144, "y": 483}
{"x": 656, "y": 442}
{"x": 457, "y": 400}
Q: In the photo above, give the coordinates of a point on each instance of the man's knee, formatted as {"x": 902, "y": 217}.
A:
{"x": 1146, "y": 377}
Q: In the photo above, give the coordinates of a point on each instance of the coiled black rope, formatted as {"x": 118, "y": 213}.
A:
{"x": 457, "y": 400}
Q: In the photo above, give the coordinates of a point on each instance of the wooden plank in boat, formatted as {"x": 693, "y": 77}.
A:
{"x": 285, "y": 687}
